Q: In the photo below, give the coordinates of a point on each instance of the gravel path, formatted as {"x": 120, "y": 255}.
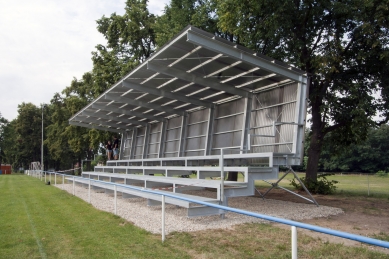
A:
{"x": 135, "y": 210}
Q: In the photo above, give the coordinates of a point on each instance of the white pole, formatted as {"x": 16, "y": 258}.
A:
{"x": 294, "y": 242}
{"x": 221, "y": 163}
{"x": 63, "y": 181}
{"x": 368, "y": 186}
{"x": 115, "y": 200}
{"x": 163, "y": 218}
{"x": 50, "y": 177}
{"x": 74, "y": 191}
{"x": 89, "y": 192}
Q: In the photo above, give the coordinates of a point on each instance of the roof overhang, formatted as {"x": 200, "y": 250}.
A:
{"x": 195, "y": 70}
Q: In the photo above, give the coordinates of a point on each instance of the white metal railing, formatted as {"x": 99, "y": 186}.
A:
{"x": 294, "y": 224}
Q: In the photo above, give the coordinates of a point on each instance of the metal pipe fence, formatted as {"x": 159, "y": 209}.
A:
{"x": 294, "y": 224}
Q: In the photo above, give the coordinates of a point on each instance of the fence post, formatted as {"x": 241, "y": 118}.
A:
{"x": 89, "y": 192}
{"x": 74, "y": 191}
{"x": 115, "y": 199}
{"x": 368, "y": 186}
{"x": 163, "y": 218}
{"x": 294, "y": 242}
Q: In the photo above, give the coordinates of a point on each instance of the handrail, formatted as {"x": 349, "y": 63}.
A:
{"x": 292, "y": 223}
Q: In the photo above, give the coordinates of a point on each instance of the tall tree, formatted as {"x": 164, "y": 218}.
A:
{"x": 181, "y": 13}
{"x": 3, "y": 124}
{"x": 28, "y": 128}
{"x": 130, "y": 41}
{"x": 342, "y": 45}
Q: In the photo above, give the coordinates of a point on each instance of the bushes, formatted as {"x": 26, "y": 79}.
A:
{"x": 321, "y": 186}
{"x": 381, "y": 174}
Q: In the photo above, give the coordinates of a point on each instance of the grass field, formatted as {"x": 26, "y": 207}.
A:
{"x": 40, "y": 221}
{"x": 348, "y": 184}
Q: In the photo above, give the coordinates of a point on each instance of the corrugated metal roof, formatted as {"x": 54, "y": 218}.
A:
{"x": 194, "y": 70}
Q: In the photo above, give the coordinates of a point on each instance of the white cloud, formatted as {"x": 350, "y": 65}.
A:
{"x": 44, "y": 44}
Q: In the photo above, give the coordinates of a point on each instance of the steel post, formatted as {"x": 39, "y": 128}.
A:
{"x": 221, "y": 164}
{"x": 294, "y": 242}
{"x": 163, "y": 218}
{"x": 115, "y": 199}
{"x": 89, "y": 200}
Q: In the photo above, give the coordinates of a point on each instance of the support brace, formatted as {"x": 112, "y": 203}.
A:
{"x": 275, "y": 185}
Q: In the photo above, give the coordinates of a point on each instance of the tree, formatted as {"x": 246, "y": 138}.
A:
{"x": 3, "y": 124}
{"x": 130, "y": 41}
{"x": 368, "y": 156}
{"x": 343, "y": 47}
{"x": 27, "y": 141}
{"x": 180, "y": 13}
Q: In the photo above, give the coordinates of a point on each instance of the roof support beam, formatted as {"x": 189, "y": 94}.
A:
{"x": 127, "y": 112}
{"x": 222, "y": 48}
{"x": 143, "y": 104}
{"x": 113, "y": 124}
{"x": 171, "y": 71}
{"x": 90, "y": 126}
{"x": 113, "y": 118}
{"x": 173, "y": 96}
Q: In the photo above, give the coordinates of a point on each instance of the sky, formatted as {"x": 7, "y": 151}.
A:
{"x": 44, "y": 44}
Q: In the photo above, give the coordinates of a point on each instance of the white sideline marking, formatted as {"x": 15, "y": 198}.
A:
{"x": 40, "y": 246}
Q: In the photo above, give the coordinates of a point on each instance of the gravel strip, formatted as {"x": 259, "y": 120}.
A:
{"x": 135, "y": 210}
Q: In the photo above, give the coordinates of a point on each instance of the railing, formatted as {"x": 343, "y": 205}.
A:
{"x": 294, "y": 224}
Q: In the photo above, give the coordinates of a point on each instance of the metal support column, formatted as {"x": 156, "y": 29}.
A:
{"x": 209, "y": 136}
{"x": 162, "y": 139}
{"x": 246, "y": 124}
{"x": 121, "y": 149}
{"x": 183, "y": 135}
{"x": 146, "y": 142}
{"x": 133, "y": 143}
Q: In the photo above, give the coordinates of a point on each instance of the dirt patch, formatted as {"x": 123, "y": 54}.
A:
{"x": 363, "y": 216}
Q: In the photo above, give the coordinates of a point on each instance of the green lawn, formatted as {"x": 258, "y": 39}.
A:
{"x": 40, "y": 221}
{"x": 349, "y": 184}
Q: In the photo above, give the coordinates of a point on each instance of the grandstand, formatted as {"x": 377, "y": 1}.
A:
{"x": 202, "y": 105}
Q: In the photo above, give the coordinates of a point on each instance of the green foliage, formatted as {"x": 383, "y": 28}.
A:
{"x": 181, "y": 13}
{"x": 321, "y": 186}
{"x": 382, "y": 174}
{"x": 344, "y": 46}
{"x": 130, "y": 41}
{"x": 367, "y": 156}
{"x": 99, "y": 159}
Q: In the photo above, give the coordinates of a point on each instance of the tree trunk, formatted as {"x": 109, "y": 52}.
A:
{"x": 232, "y": 176}
{"x": 316, "y": 138}
{"x": 313, "y": 157}
{"x": 317, "y": 92}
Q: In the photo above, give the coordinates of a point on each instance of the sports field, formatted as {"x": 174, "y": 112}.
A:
{"x": 40, "y": 221}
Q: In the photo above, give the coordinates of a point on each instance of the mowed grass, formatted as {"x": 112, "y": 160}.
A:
{"x": 348, "y": 184}
{"x": 40, "y": 221}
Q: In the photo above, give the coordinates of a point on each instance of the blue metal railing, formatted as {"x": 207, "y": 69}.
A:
{"x": 328, "y": 231}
